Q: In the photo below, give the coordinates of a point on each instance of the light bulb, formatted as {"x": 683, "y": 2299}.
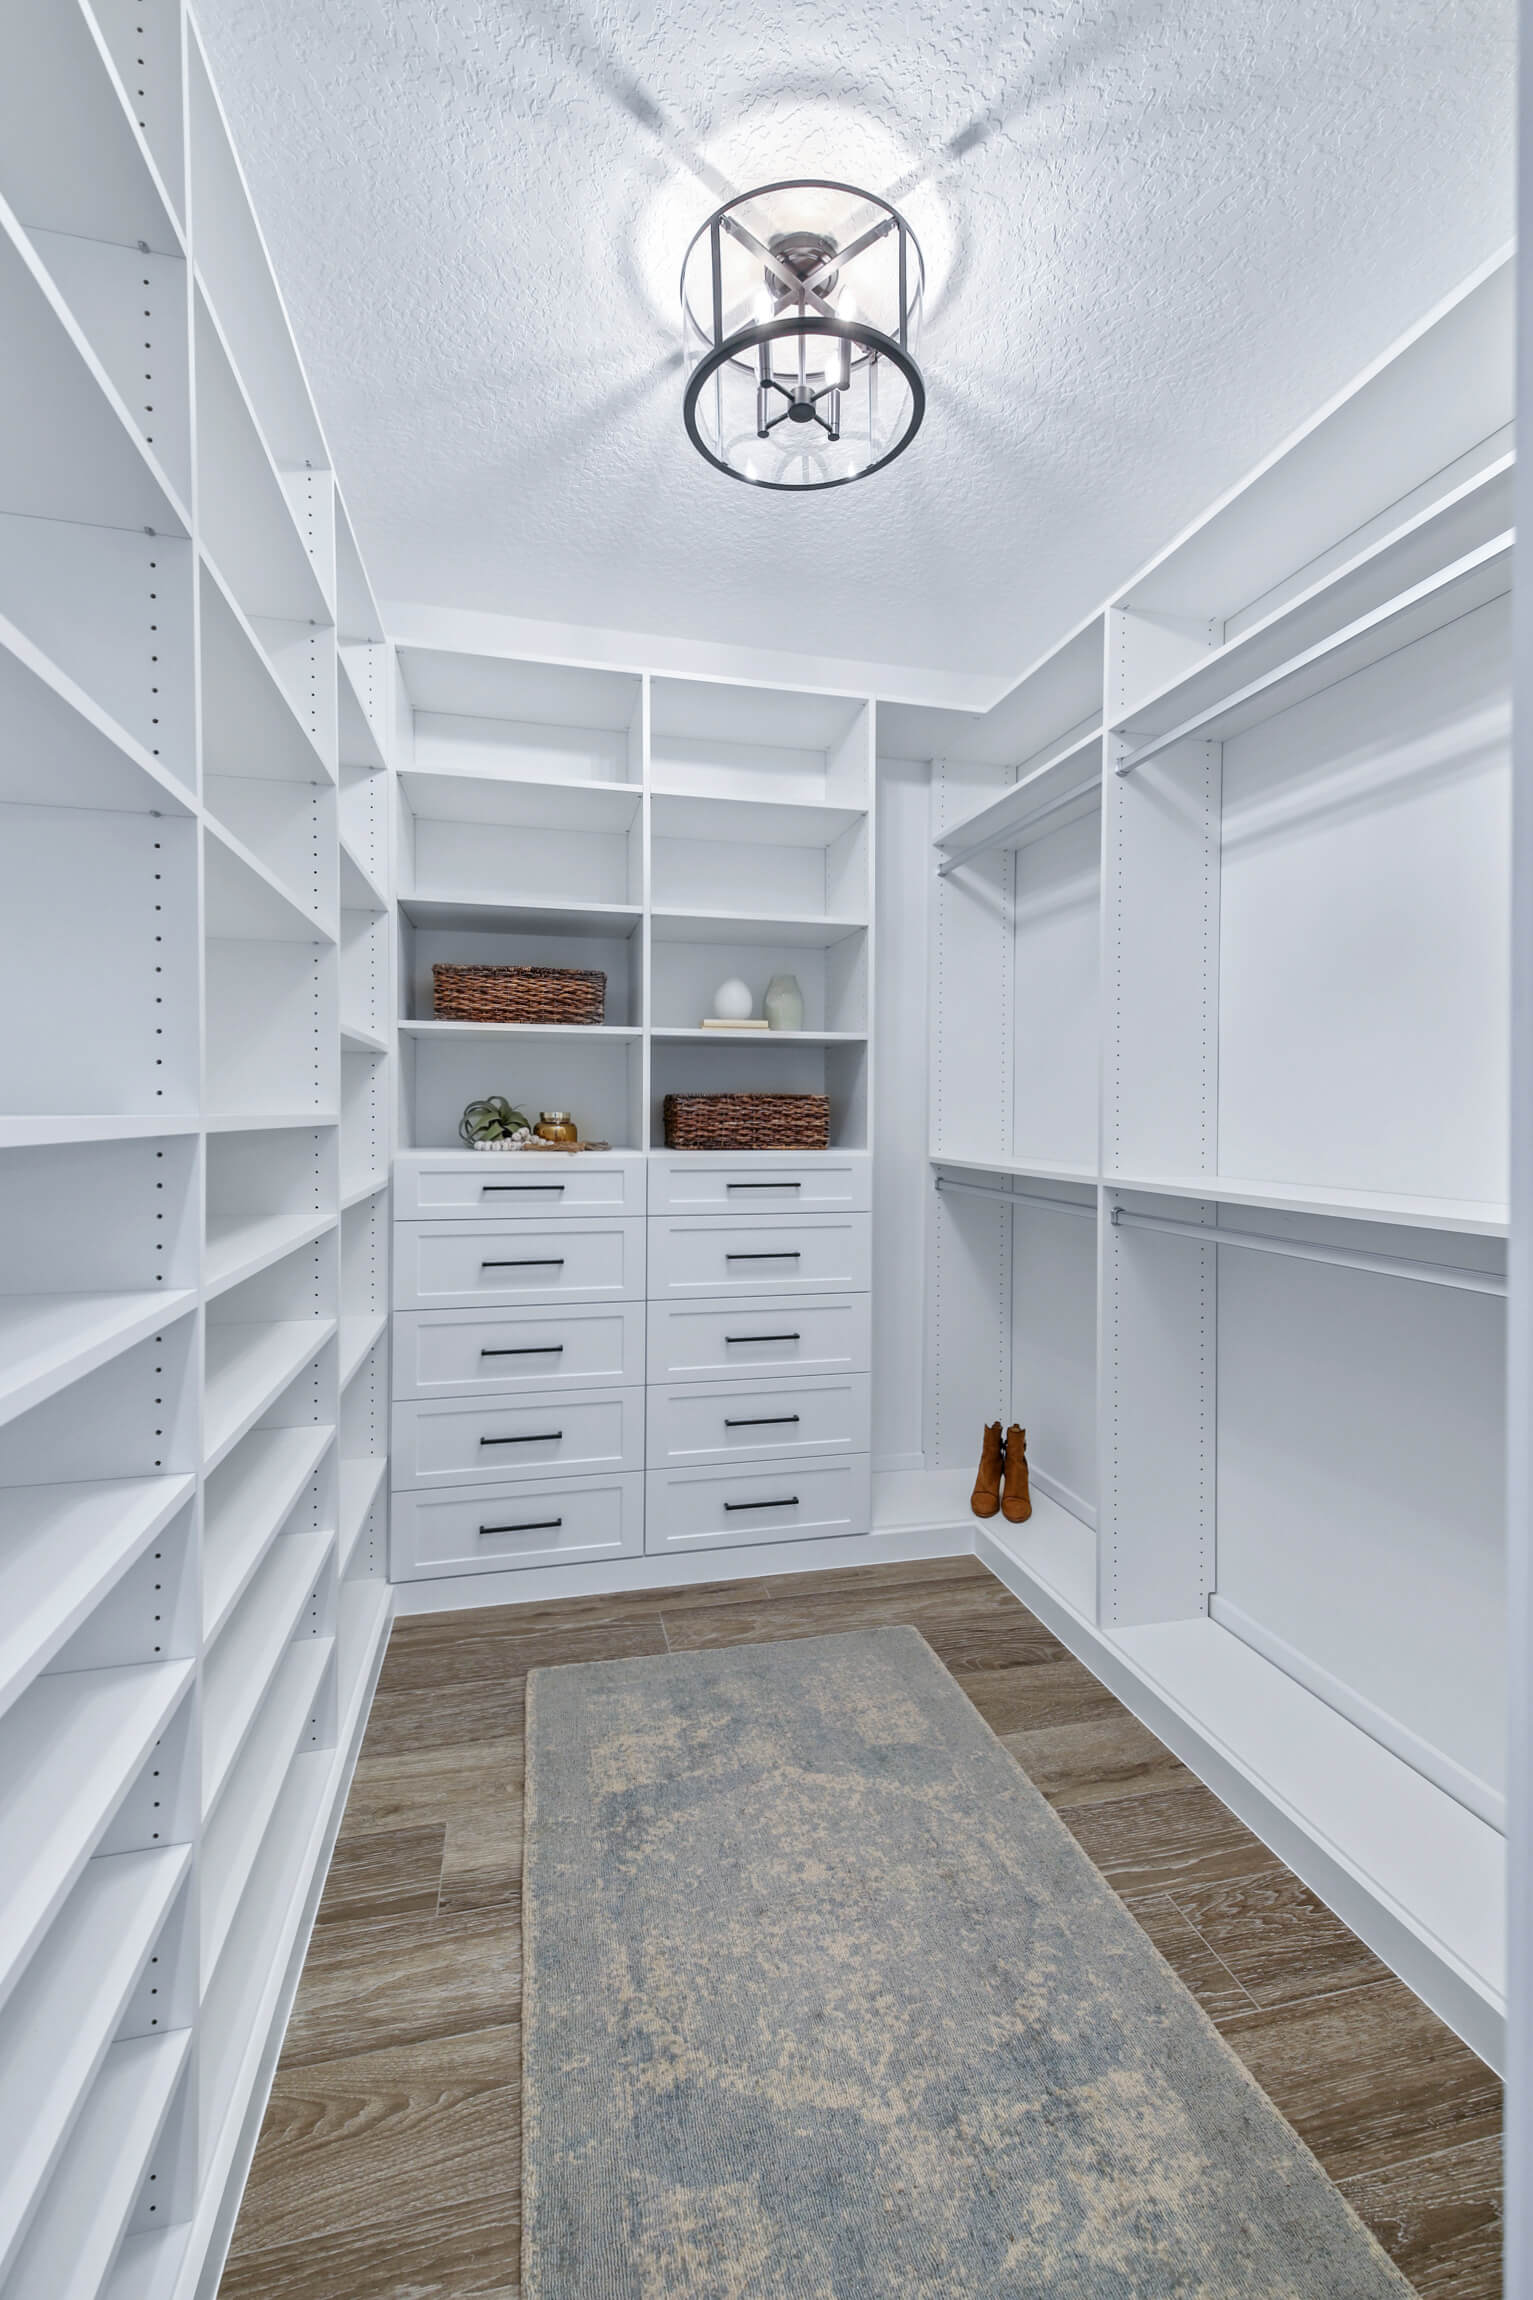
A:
{"x": 847, "y": 307}
{"x": 766, "y": 305}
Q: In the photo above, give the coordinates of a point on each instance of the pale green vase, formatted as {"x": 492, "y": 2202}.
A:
{"x": 783, "y": 1004}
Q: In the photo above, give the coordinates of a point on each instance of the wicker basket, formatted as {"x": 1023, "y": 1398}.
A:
{"x": 747, "y": 1122}
{"x": 518, "y": 994}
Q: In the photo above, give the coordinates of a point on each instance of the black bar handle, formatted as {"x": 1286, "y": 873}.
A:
{"x": 787, "y": 1254}
{"x": 528, "y": 1262}
{"x": 489, "y": 1189}
{"x": 534, "y": 1525}
{"x": 763, "y": 1185}
{"x": 788, "y": 1501}
{"x": 526, "y": 1350}
{"x": 756, "y": 1421}
{"x": 533, "y": 1437}
{"x": 763, "y": 1337}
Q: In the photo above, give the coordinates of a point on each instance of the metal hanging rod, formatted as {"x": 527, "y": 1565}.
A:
{"x": 1012, "y": 831}
{"x": 1345, "y": 1257}
{"x": 1017, "y": 1197}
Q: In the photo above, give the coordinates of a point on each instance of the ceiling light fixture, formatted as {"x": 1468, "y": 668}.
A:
{"x": 796, "y": 377}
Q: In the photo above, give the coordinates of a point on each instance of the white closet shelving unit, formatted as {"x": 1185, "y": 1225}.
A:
{"x": 670, "y": 833}
{"x": 1219, "y": 1117}
{"x": 194, "y": 1159}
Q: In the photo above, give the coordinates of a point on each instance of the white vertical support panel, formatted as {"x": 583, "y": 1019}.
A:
{"x": 1519, "y": 2058}
{"x": 903, "y": 1208}
{"x": 647, "y": 1130}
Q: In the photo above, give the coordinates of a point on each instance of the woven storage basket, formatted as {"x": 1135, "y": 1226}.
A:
{"x": 518, "y": 994}
{"x": 747, "y": 1122}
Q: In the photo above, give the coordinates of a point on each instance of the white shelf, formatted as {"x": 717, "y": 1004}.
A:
{"x": 63, "y": 1548}
{"x": 247, "y": 902}
{"x": 473, "y": 914}
{"x": 1060, "y": 790}
{"x": 358, "y": 890}
{"x": 795, "y": 933}
{"x": 251, "y": 727}
{"x": 148, "y": 2267}
{"x": 239, "y": 1245}
{"x": 241, "y": 1664}
{"x": 366, "y": 1610}
{"x": 358, "y": 1193}
{"x": 255, "y": 1491}
{"x": 361, "y": 1481}
{"x": 700, "y": 1037}
{"x": 1471, "y": 582}
{"x": 592, "y": 1033}
{"x": 75, "y": 155}
{"x": 63, "y": 749}
{"x": 522, "y": 802}
{"x": 356, "y": 1039}
{"x": 48, "y": 1341}
{"x": 1014, "y": 1168}
{"x": 1053, "y": 1545}
{"x": 248, "y": 1368}
{"x": 55, "y": 2032}
{"x": 87, "y": 2205}
{"x": 359, "y": 1335}
{"x": 250, "y": 521}
{"x": 681, "y": 814}
{"x": 1465, "y": 1217}
{"x": 234, "y": 1838}
{"x": 1413, "y": 552}
{"x": 42, "y": 1133}
{"x": 70, "y": 1749}
{"x": 75, "y": 452}
{"x": 267, "y": 1121}
{"x": 360, "y": 746}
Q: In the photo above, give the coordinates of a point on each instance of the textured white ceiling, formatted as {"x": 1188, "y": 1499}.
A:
{"x": 1160, "y": 234}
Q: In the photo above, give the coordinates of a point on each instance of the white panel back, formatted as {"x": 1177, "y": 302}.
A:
{"x": 1054, "y": 1349}
{"x": 1056, "y": 997}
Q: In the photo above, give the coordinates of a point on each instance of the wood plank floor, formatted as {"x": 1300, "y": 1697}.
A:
{"x": 388, "y": 2163}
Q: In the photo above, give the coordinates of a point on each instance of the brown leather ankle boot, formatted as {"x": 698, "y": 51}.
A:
{"x": 1016, "y": 1501}
{"x": 986, "y": 1497}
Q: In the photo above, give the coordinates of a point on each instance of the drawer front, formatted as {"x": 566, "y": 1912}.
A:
{"x": 689, "y": 1510}
{"x": 751, "y": 1183}
{"x": 451, "y": 1441}
{"x": 814, "y": 1334}
{"x": 776, "y": 1254}
{"x": 452, "y": 1265}
{"x": 706, "y": 1424}
{"x": 569, "y": 1521}
{"x": 454, "y": 1353}
{"x": 515, "y": 1186}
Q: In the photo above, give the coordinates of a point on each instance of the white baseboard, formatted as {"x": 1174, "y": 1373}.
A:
{"x": 1065, "y": 1495}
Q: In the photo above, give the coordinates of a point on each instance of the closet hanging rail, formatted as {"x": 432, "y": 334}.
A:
{"x": 1344, "y": 1257}
{"x": 1011, "y": 833}
{"x": 1017, "y": 1197}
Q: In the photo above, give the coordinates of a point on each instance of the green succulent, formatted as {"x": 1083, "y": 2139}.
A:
{"x": 492, "y": 1120}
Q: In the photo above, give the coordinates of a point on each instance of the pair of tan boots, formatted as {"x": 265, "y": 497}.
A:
{"x": 1002, "y": 1480}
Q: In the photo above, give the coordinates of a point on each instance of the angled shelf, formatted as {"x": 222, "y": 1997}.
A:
{"x": 266, "y": 1121}
{"x": 246, "y": 901}
{"x": 63, "y": 1548}
{"x": 235, "y": 1835}
{"x": 359, "y": 1335}
{"x": 248, "y": 1368}
{"x": 247, "y": 1506}
{"x": 1415, "y": 551}
{"x": 76, "y": 452}
{"x": 57, "y": 2030}
{"x": 70, "y": 1749}
{"x": 242, "y": 1661}
{"x": 358, "y": 1193}
{"x": 360, "y": 746}
{"x": 33, "y": 1133}
{"x": 359, "y": 889}
{"x": 1059, "y": 790}
{"x": 62, "y": 749}
{"x": 361, "y": 1483}
{"x": 1471, "y": 582}
{"x": 75, "y": 157}
{"x": 48, "y": 1341}
{"x": 356, "y": 1038}
{"x": 252, "y": 726}
{"x": 524, "y": 802}
{"x": 251, "y": 527}
{"x": 365, "y": 1608}
{"x": 1465, "y": 1217}
{"x": 238, "y": 1245}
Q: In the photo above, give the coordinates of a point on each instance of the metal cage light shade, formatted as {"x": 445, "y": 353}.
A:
{"x": 800, "y": 310}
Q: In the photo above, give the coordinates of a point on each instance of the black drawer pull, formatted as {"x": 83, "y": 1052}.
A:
{"x": 785, "y": 1254}
{"x": 533, "y": 1437}
{"x": 763, "y": 1337}
{"x": 763, "y": 1185}
{"x": 526, "y": 1350}
{"x": 528, "y": 1262}
{"x": 788, "y": 1501}
{"x": 490, "y": 1189}
{"x": 534, "y": 1525}
{"x": 756, "y": 1421}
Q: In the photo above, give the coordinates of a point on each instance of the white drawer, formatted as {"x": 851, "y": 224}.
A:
{"x": 775, "y": 1254}
{"x": 447, "y": 1353}
{"x": 705, "y": 1424}
{"x": 751, "y": 1182}
{"x": 569, "y": 1521}
{"x": 452, "y": 1265}
{"x": 812, "y": 1334}
{"x": 694, "y": 1509}
{"x": 451, "y": 1441}
{"x": 516, "y": 1185}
